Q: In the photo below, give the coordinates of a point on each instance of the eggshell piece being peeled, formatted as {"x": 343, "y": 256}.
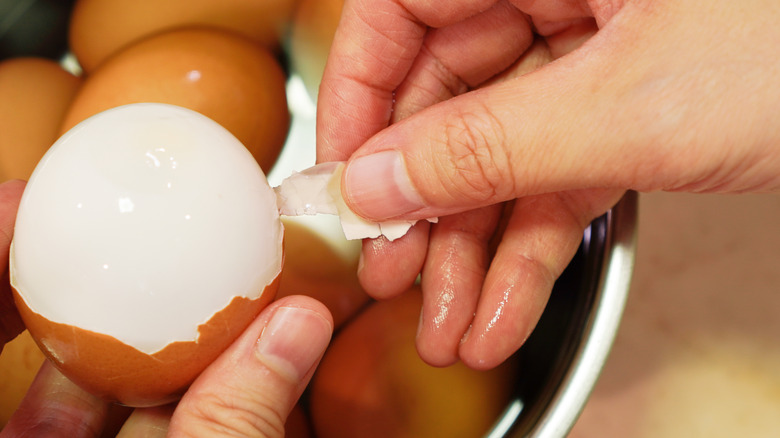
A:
{"x": 146, "y": 240}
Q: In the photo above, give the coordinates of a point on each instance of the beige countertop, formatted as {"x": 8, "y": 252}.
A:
{"x": 698, "y": 350}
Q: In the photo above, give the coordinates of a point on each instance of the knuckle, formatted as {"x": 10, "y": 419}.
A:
{"x": 476, "y": 155}
{"x": 237, "y": 415}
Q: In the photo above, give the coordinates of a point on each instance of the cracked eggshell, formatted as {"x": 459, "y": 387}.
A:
{"x": 146, "y": 240}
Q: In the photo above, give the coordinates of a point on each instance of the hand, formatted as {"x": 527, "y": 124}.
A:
{"x": 449, "y": 109}
{"x": 243, "y": 393}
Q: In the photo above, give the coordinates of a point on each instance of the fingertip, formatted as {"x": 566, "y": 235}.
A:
{"x": 295, "y": 337}
{"x": 388, "y": 269}
{"x": 251, "y": 388}
{"x": 482, "y": 353}
{"x": 432, "y": 351}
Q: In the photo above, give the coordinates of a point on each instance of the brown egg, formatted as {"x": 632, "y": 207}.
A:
{"x": 371, "y": 382}
{"x": 99, "y": 28}
{"x": 109, "y": 368}
{"x": 314, "y": 25}
{"x": 221, "y": 75}
{"x": 313, "y": 268}
{"x": 297, "y": 424}
{"x": 34, "y": 96}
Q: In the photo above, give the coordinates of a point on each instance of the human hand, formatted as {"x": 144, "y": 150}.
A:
{"x": 248, "y": 391}
{"x": 663, "y": 95}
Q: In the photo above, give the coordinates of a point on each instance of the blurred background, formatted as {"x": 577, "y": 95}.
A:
{"x": 698, "y": 351}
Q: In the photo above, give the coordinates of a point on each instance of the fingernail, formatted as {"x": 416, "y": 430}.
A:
{"x": 378, "y": 186}
{"x": 293, "y": 341}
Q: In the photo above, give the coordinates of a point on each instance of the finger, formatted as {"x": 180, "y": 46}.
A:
{"x": 539, "y": 242}
{"x": 55, "y": 407}
{"x": 536, "y": 56}
{"x": 552, "y": 15}
{"x": 461, "y": 56}
{"x": 386, "y": 268}
{"x": 373, "y": 49}
{"x": 10, "y": 322}
{"x": 148, "y": 422}
{"x": 571, "y": 37}
{"x": 440, "y": 14}
{"x": 452, "y": 279}
{"x": 251, "y": 388}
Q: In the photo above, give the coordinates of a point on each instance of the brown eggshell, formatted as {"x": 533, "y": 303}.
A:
{"x": 117, "y": 372}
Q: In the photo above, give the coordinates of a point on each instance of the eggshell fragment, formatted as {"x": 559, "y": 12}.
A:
{"x": 147, "y": 239}
{"x": 317, "y": 190}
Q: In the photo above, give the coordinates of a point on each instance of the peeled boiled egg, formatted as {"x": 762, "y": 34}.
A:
{"x": 146, "y": 240}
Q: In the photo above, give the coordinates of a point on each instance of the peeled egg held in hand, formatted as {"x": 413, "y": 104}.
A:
{"x": 147, "y": 239}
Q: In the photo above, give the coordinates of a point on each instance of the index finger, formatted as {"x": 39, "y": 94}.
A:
{"x": 373, "y": 49}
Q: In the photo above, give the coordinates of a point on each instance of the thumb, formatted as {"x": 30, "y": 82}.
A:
{"x": 250, "y": 390}
{"x": 630, "y": 109}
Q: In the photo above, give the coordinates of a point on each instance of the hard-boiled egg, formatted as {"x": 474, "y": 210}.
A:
{"x": 146, "y": 240}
